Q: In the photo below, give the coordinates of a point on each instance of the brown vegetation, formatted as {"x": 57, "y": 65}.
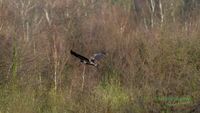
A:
{"x": 152, "y": 46}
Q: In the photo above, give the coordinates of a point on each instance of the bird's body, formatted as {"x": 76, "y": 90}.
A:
{"x": 91, "y": 61}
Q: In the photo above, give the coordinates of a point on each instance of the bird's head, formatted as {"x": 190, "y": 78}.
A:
{"x": 92, "y": 62}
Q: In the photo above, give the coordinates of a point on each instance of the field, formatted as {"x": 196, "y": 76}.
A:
{"x": 152, "y": 62}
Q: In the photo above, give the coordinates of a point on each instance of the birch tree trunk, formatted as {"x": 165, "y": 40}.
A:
{"x": 152, "y": 11}
{"x": 56, "y": 62}
{"x": 161, "y": 12}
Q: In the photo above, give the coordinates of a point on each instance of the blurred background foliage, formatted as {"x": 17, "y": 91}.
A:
{"x": 152, "y": 46}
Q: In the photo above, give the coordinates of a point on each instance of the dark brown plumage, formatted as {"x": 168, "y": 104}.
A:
{"x": 91, "y": 61}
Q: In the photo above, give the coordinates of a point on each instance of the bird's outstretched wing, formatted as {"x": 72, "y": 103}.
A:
{"x": 82, "y": 58}
{"x": 98, "y": 56}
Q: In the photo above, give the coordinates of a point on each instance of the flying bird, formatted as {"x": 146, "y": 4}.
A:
{"x": 89, "y": 61}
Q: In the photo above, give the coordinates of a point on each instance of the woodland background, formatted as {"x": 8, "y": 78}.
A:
{"x": 152, "y": 46}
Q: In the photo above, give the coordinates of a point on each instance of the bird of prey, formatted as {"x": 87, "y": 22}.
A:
{"x": 89, "y": 61}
